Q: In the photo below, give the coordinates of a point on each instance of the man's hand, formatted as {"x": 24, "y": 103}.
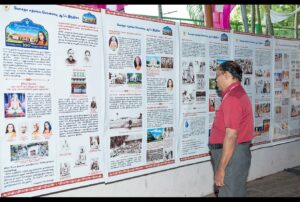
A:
{"x": 219, "y": 177}
{"x": 227, "y": 152}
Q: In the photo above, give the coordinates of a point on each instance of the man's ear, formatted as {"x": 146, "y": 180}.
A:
{"x": 227, "y": 75}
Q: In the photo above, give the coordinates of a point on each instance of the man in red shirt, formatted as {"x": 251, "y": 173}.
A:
{"x": 231, "y": 133}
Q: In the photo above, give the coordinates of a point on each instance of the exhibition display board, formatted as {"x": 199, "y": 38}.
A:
{"x": 286, "y": 94}
{"x": 255, "y": 56}
{"x": 141, "y": 64}
{"x": 52, "y": 86}
{"x": 94, "y": 96}
{"x": 201, "y": 50}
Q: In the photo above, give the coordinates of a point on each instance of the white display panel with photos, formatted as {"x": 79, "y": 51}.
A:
{"x": 92, "y": 96}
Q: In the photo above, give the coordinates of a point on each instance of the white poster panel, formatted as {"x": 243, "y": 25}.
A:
{"x": 243, "y": 52}
{"x": 246, "y": 49}
{"x": 41, "y": 128}
{"x": 141, "y": 83}
{"x": 294, "y": 126}
{"x": 254, "y": 54}
{"x": 286, "y": 110}
{"x": 79, "y": 67}
{"x": 262, "y": 94}
{"x": 194, "y": 92}
{"x": 219, "y": 51}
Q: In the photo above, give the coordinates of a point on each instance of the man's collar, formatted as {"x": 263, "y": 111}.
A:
{"x": 237, "y": 83}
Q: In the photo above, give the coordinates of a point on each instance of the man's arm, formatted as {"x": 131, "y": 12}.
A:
{"x": 227, "y": 152}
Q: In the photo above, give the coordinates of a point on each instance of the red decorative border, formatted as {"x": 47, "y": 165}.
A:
{"x": 203, "y": 27}
{"x": 50, "y": 185}
{"x": 285, "y": 38}
{"x": 194, "y": 157}
{"x": 82, "y": 7}
{"x": 139, "y": 17}
{"x": 252, "y": 34}
{"x": 285, "y": 138}
{"x": 263, "y": 142}
{"x": 120, "y": 172}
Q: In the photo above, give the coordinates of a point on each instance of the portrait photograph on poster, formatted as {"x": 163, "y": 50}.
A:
{"x": 10, "y": 131}
{"x": 87, "y": 58}
{"x": 137, "y": 63}
{"x": 113, "y": 43}
{"x": 70, "y": 56}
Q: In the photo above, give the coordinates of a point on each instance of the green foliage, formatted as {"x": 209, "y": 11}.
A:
{"x": 236, "y": 17}
{"x": 286, "y": 8}
{"x": 283, "y": 28}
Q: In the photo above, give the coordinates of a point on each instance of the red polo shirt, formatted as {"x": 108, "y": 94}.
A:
{"x": 235, "y": 112}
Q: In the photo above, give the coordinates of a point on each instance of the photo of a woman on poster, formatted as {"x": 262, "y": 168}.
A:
{"x": 42, "y": 40}
{"x": 47, "y": 129}
{"x": 11, "y": 131}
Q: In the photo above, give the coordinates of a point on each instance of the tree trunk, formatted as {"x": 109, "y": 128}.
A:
{"x": 208, "y": 15}
{"x": 296, "y": 23}
{"x": 253, "y": 18}
{"x": 259, "y": 28}
{"x": 244, "y": 16}
{"x": 269, "y": 24}
{"x": 160, "y": 13}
